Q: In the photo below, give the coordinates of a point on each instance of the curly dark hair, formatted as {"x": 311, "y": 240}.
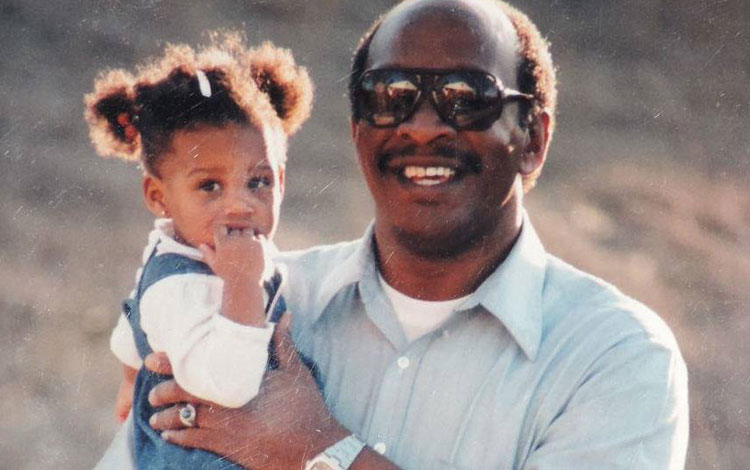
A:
{"x": 134, "y": 117}
{"x": 535, "y": 75}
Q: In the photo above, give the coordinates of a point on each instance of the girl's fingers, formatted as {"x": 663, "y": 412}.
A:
{"x": 209, "y": 255}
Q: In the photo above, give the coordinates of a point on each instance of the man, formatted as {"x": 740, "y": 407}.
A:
{"x": 446, "y": 337}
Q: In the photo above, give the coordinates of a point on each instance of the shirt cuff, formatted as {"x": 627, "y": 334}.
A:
{"x": 251, "y": 333}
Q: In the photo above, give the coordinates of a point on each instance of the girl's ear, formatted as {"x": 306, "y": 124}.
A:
{"x": 282, "y": 180}
{"x": 153, "y": 195}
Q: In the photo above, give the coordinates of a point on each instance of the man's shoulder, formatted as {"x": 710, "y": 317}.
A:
{"x": 318, "y": 259}
{"x": 316, "y": 273}
{"x": 595, "y": 310}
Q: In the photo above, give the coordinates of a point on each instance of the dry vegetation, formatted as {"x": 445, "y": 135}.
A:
{"x": 646, "y": 186}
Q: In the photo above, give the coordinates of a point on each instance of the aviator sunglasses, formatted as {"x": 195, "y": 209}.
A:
{"x": 464, "y": 99}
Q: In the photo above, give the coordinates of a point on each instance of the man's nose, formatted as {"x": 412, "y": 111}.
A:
{"x": 424, "y": 125}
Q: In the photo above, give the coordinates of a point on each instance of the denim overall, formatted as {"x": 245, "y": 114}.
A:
{"x": 151, "y": 451}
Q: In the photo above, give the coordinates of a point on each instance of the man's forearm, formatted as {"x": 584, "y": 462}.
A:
{"x": 369, "y": 459}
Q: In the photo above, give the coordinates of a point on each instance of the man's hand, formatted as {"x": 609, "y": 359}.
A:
{"x": 239, "y": 259}
{"x": 124, "y": 400}
{"x": 283, "y": 427}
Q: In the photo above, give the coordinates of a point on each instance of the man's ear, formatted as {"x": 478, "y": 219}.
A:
{"x": 535, "y": 150}
{"x": 153, "y": 195}
{"x": 353, "y": 128}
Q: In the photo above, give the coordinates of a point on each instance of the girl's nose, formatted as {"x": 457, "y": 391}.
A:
{"x": 240, "y": 203}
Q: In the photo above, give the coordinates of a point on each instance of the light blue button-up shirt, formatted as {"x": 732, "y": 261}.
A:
{"x": 544, "y": 367}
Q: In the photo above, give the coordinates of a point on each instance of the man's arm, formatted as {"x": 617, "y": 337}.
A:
{"x": 286, "y": 425}
{"x": 629, "y": 412}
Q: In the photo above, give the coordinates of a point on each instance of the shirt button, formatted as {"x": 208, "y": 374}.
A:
{"x": 403, "y": 362}
{"x": 379, "y": 448}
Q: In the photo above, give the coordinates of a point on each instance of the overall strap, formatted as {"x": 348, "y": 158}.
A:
{"x": 156, "y": 269}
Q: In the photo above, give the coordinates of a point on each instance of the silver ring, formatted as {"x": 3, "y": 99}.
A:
{"x": 187, "y": 415}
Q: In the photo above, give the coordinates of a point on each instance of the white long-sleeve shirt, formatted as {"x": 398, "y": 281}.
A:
{"x": 212, "y": 357}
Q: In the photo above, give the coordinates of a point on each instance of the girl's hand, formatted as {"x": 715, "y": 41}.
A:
{"x": 124, "y": 400}
{"x": 238, "y": 258}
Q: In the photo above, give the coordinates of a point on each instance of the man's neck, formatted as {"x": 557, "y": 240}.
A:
{"x": 439, "y": 277}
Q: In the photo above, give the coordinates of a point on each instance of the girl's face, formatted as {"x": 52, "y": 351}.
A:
{"x": 230, "y": 176}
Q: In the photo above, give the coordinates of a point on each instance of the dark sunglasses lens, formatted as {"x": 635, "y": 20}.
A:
{"x": 387, "y": 98}
{"x": 467, "y": 100}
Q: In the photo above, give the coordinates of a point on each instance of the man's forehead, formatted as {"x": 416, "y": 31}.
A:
{"x": 447, "y": 34}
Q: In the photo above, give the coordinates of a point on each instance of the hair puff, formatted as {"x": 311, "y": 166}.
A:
{"x": 110, "y": 112}
{"x": 134, "y": 116}
{"x": 287, "y": 85}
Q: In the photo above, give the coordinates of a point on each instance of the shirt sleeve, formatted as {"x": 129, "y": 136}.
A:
{"x": 122, "y": 344}
{"x": 630, "y": 412}
{"x": 212, "y": 357}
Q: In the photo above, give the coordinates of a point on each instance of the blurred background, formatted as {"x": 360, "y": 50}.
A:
{"x": 646, "y": 186}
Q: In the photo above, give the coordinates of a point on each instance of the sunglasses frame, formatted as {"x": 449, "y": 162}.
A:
{"x": 426, "y": 81}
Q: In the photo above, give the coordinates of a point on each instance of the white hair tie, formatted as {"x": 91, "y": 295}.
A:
{"x": 203, "y": 83}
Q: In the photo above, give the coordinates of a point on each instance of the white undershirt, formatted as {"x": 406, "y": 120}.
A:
{"x": 418, "y": 317}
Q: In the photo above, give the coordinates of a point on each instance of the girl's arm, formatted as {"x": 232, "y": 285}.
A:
{"x": 213, "y": 357}
{"x": 239, "y": 259}
{"x": 122, "y": 344}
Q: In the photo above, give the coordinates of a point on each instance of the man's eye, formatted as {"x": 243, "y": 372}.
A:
{"x": 259, "y": 182}
{"x": 209, "y": 186}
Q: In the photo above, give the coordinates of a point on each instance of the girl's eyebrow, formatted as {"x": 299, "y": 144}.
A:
{"x": 262, "y": 165}
{"x": 210, "y": 169}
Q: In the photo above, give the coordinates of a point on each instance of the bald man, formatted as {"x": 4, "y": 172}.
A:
{"x": 446, "y": 337}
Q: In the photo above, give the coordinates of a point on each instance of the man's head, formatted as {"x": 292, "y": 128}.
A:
{"x": 441, "y": 186}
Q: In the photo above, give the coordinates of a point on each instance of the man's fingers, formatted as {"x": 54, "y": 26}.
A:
{"x": 283, "y": 344}
{"x": 195, "y": 438}
{"x": 158, "y": 362}
{"x": 169, "y": 393}
{"x": 167, "y": 419}
{"x": 207, "y": 416}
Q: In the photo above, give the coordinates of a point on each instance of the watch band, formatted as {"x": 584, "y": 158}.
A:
{"x": 337, "y": 457}
{"x": 345, "y": 450}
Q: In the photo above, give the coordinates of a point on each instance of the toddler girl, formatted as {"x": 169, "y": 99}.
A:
{"x": 210, "y": 129}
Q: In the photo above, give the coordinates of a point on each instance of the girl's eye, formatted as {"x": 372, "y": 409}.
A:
{"x": 259, "y": 182}
{"x": 209, "y": 186}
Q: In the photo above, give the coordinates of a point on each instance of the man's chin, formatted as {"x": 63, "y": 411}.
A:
{"x": 437, "y": 242}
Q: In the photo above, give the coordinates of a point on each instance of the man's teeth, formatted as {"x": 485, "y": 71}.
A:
{"x": 440, "y": 174}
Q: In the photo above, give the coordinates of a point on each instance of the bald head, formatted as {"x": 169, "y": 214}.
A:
{"x": 490, "y": 32}
{"x": 470, "y": 34}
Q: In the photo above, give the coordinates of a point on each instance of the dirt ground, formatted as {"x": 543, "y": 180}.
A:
{"x": 646, "y": 186}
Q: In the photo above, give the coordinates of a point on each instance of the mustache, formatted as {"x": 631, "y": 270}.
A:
{"x": 466, "y": 159}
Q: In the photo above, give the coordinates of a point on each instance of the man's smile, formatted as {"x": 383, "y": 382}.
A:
{"x": 441, "y": 166}
{"x": 428, "y": 176}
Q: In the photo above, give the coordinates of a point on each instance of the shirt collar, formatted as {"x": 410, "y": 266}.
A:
{"x": 513, "y": 293}
{"x": 349, "y": 271}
